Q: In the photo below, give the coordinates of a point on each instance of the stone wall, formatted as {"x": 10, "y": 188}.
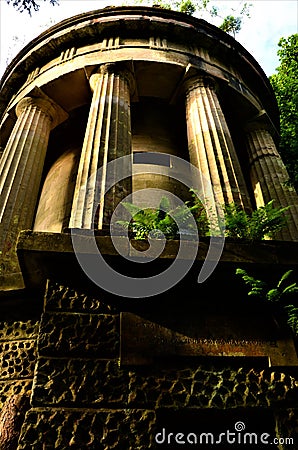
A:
{"x": 17, "y": 362}
{"x": 84, "y": 399}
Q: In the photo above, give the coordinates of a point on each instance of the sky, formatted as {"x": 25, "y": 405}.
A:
{"x": 269, "y": 21}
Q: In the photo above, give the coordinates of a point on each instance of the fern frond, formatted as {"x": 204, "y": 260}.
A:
{"x": 257, "y": 286}
{"x": 132, "y": 209}
{"x": 291, "y": 289}
{"x": 292, "y": 312}
{"x": 284, "y": 277}
{"x": 273, "y": 295}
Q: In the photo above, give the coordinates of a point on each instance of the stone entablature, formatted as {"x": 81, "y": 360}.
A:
{"x": 115, "y": 34}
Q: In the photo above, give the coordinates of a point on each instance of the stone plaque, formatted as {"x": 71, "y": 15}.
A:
{"x": 143, "y": 341}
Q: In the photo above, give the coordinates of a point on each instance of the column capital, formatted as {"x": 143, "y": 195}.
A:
{"x": 255, "y": 126}
{"x": 198, "y": 81}
{"x": 44, "y": 104}
{"x": 116, "y": 69}
{"x": 261, "y": 122}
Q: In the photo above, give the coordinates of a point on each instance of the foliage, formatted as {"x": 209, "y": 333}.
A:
{"x": 292, "y": 312}
{"x": 231, "y": 23}
{"x": 263, "y": 222}
{"x": 29, "y": 5}
{"x": 285, "y": 86}
{"x": 260, "y": 288}
{"x": 164, "y": 220}
{"x": 281, "y": 294}
{"x": 257, "y": 286}
{"x": 149, "y": 221}
{"x": 198, "y": 210}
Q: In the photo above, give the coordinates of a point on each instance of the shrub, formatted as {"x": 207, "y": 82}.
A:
{"x": 164, "y": 220}
{"x": 281, "y": 294}
{"x": 264, "y": 222}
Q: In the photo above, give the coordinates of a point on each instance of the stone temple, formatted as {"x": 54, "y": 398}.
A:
{"x": 82, "y": 365}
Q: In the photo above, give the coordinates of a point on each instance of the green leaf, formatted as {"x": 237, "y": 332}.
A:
{"x": 292, "y": 312}
{"x": 291, "y": 289}
{"x": 264, "y": 221}
{"x": 273, "y": 295}
{"x": 284, "y": 277}
{"x": 132, "y": 209}
{"x": 285, "y": 86}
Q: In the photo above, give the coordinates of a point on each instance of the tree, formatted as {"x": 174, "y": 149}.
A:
{"x": 285, "y": 85}
{"x": 231, "y": 23}
{"x": 29, "y": 5}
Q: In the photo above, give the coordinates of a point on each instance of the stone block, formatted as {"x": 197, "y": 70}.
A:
{"x": 11, "y": 388}
{"x": 18, "y": 330}
{"x": 17, "y": 359}
{"x": 200, "y": 387}
{"x": 84, "y": 335}
{"x": 66, "y": 299}
{"x": 66, "y": 382}
{"x": 83, "y": 429}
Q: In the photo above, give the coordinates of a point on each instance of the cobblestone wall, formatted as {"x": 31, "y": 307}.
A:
{"x": 82, "y": 398}
{"x": 17, "y": 362}
{"x": 17, "y": 357}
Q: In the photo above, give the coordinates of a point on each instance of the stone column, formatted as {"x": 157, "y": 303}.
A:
{"x": 269, "y": 177}
{"x": 20, "y": 175}
{"x": 108, "y": 136}
{"x": 210, "y": 144}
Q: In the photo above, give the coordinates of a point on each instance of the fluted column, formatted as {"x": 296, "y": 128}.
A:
{"x": 210, "y": 144}
{"x": 107, "y": 137}
{"x": 20, "y": 175}
{"x": 269, "y": 177}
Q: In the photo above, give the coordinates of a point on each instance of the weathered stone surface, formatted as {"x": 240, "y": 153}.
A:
{"x": 18, "y": 330}
{"x": 11, "y": 388}
{"x": 80, "y": 383}
{"x": 63, "y": 298}
{"x": 54, "y": 253}
{"x": 269, "y": 178}
{"x": 157, "y": 388}
{"x": 22, "y": 165}
{"x": 210, "y": 145}
{"x": 17, "y": 359}
{"x": 17, "y": 363}
{"x": 198, "y": 387}
{"x": 143, "y": 341}
{"x": 81, "y": 398}
{"x": 93, "y": 430}
{"x": 115, "y": 141}
{"x": 83, "y": 335}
